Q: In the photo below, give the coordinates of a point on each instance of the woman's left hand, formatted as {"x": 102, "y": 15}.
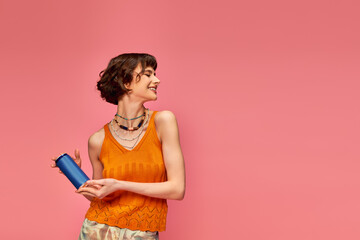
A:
{"x": 99, "y": 188}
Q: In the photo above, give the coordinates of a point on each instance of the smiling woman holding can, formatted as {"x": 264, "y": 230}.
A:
{"x": 136, "y": 158}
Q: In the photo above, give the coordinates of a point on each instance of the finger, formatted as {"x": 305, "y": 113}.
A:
{"x": 77, "y": 158}
{"x": 86, "y": 194}
{"x": 53, "y": 165}
{"x": 89, "y": 195}
{"x": 82, "y": 187}
{"x": 87, "y": 190}
{"x": 99, "y": 182}
{"x": 77, "y": 153}
{"x": 97, "y": 186}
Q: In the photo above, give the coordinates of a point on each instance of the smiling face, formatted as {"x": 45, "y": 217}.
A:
{"x": 144, "y": 85}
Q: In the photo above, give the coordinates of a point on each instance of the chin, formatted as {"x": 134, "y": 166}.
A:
{"x": 151, "y": 99}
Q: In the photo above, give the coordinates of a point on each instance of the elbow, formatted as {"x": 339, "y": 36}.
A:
{"x": 176, "y": 191}
{"x": 179, "y": 195}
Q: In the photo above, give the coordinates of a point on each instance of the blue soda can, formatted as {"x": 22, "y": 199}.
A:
{"x": 71, "y": 170}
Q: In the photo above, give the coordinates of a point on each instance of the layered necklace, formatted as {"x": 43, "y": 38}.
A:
{"x": 143, "y": 122}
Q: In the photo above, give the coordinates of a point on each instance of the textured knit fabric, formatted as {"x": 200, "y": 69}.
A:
{"x": 144, "y": 163}
{"x": 91, "y": 230}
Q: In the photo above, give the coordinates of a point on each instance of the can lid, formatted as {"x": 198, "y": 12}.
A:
{"x": 60, "y": 157}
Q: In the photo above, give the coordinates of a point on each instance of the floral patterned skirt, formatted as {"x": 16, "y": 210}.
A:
{"x": 91, "y": 230}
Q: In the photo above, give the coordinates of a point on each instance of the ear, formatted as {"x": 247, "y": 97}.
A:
{"x": 128, "y": 87}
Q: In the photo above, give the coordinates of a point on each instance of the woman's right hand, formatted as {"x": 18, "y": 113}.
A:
{"x": 77, "y": 159}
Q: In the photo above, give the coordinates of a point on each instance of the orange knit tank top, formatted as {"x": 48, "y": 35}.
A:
{"x": 144, "y": 163}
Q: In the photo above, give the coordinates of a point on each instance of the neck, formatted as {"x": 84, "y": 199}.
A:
{"x": 130, "y": 109}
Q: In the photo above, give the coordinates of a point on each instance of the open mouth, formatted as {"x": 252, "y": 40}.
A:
{"x": 152, "y": 89}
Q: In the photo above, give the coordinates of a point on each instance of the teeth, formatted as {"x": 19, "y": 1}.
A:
{"x": 153, "y": 89}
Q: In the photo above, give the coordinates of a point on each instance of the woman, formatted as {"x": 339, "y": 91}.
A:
{"x": 136, "y": 158}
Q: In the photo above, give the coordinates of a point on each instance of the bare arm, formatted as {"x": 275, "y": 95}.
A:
{"x": 174, "y": 187}
{"x": 94, "y": 149}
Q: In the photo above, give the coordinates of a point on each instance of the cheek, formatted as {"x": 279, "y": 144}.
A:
{"x": 145, "y": 84}
{"x": 141, "y": 88}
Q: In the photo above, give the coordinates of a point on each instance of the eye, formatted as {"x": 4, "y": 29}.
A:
{"x": 148, "y": 75}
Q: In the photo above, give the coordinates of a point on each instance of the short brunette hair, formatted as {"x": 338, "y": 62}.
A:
{"x": 120, "y": 72}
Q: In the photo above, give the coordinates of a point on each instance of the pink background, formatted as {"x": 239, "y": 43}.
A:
{"x": 266, "y": 94}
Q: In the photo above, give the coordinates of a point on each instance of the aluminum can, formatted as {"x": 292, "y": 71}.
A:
{"x": 71, "y": 170}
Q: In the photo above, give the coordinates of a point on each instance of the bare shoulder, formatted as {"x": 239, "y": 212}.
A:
{"x": 166, "y": 125}
{"x": 164, "y": 118}
{"x": 96, "y": 139}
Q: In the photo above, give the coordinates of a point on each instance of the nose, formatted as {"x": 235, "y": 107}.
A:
{"x": 156, "y": 81}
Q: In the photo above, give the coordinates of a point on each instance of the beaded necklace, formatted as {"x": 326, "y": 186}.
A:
{"x": 131, "y": 128}
{"x": 142, "y": 115}
{"x": 126, "y": 139}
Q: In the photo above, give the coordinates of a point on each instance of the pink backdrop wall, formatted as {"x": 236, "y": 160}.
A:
{"x": 266, "y": 94}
